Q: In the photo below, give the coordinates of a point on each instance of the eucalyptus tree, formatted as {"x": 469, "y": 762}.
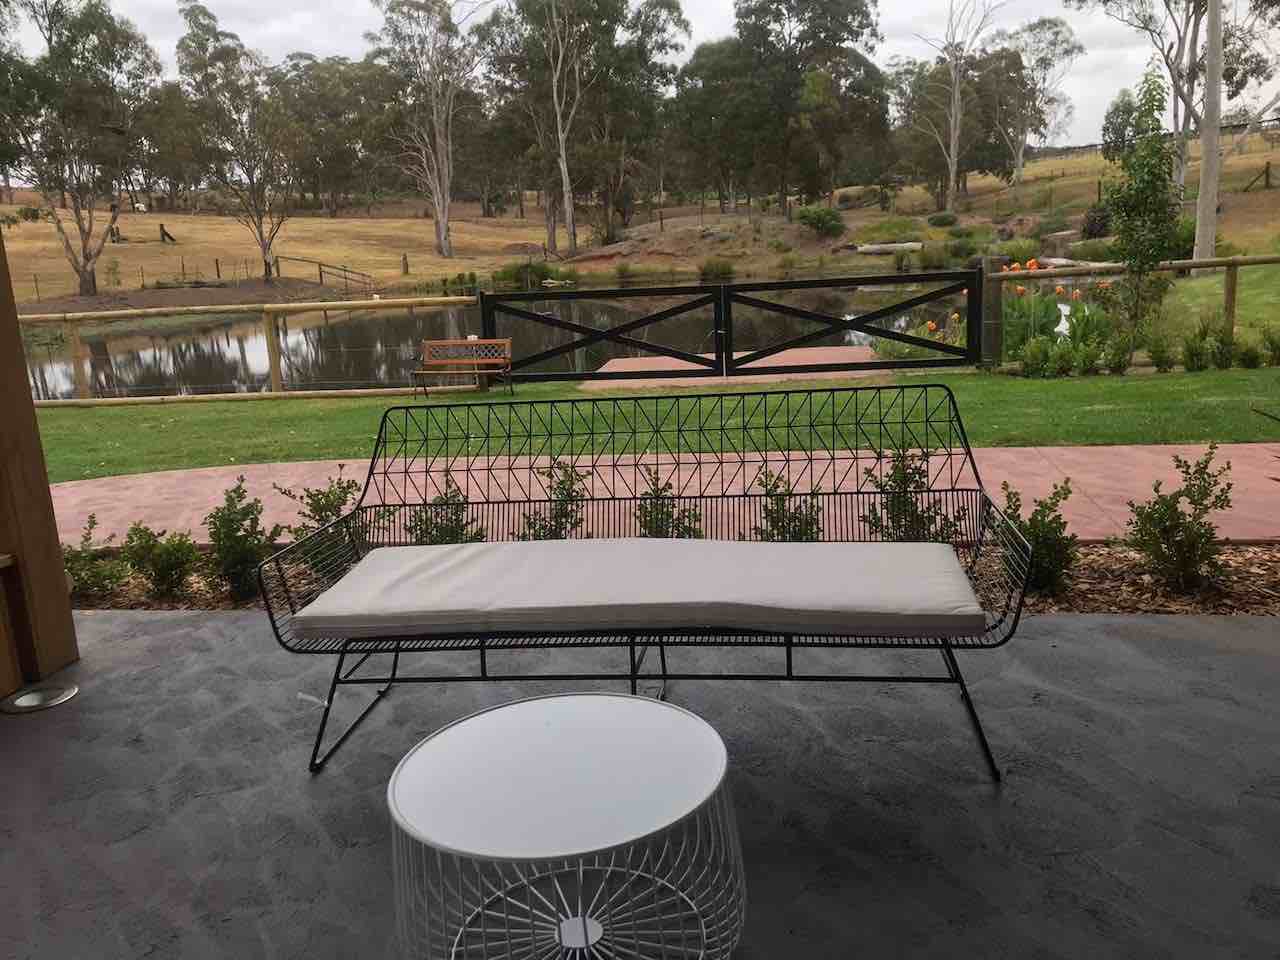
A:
{"x": 1048, "y": 49}
{"x": 72, "y": 112}
{"x": 250, "y": 139}
{"x": 430, "y": 47}
{"x": 712, "y": 116}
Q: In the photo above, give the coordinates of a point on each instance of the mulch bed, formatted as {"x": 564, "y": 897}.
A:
{"x": 1111, "y": 579}
{"x": 1107, "y": 579}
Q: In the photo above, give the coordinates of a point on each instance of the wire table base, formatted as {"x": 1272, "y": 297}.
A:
{"x": 675, "y": 894}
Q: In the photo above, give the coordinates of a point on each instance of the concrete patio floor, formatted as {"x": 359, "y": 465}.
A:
{"x": 167, "y": 811}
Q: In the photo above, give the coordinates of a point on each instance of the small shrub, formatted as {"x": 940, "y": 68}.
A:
{"x": 1094, "y": 251}
{"x": 943, "y": 219}
{"x": 566, "y": 491}
{"x": 1183, "y": 246}
{"x": 659, "y": 513}
{"x": 902, "y": 261}
{"x": 320, "y": 506}
{"x": 908, "y": 511}
{"x": 1035, "y": 356}
{"x": 95, "y": 574}
{"x": 240, "y": 542}
{"x": 529, "y": 274}
{"x": 1248, "y": 354}
{"x": 777, "y": 246}
{"x": 1088, "y": 357}
{"x": 1053, "y": 550}
{"x": 30, "y": 214}
{"x": 933, "y": 256}
{"x": 1160, "y": 349}
{"x": 1220, "y": 352}
{"x": 1195, "y": 353}
{"x": 1271, "y": 344}
{"x": 1180, "y": 546}
{"x": 962, "y": 248}
{"x": 1019, "y": 251}
{"x": 783, "y": 520}
{"x": 1053, "y": 222}
{"x": 444, "y": 519}
{"x": 960, "y": 232}
{"x": 1117, "y": 354}
{"x": 716, "y": 268}
{"x": 1062, "y": 358}
{"x": 164, "y": 560}
{"x": 1097, "y": 222}
{"x": 890, "y": 230}
{"x": 824, "y": 221}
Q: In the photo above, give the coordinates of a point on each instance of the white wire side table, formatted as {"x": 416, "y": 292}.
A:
{"x": 587, "y": 826}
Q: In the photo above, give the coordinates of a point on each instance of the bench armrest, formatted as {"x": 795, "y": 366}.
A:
{"x": 999, "y": 570}
{"x": 293, "y": 577}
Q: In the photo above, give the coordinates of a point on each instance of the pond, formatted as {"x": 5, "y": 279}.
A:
{"x": 351, "y": 349}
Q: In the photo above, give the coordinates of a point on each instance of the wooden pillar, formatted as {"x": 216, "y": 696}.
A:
{"x": 992, "y": 313}
{"x": 1229, "y": 281}
{"x": 273, "y": 350}
{"x": 40, "y": 635}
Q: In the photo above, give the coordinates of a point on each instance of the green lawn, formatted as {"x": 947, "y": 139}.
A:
{"x": 1257, "y": 298}
{"x": 997, "y": 410}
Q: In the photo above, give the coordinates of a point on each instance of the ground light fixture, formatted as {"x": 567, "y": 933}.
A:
{"x": 40, "y": 696}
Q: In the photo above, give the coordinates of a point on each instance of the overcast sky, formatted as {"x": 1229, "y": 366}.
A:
{"x": 1115, "y": 58}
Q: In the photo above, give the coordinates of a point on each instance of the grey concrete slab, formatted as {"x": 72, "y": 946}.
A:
{"x": 167, "y": 811}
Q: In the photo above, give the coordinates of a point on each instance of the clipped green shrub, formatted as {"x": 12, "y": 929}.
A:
{"x": 716, "y": 268}
{"x": 240, "y": 542}
{"x": 1248, "y": 354}
{"x": 942, "y": 219}
{"x": 1220, "y": 352}
{"x": 1094, "y": 251}
{"x": 1035, "y": 356}
{"x": 659, "y": 514}
{"x": 1019, "y": 251}
{"x": 824, "y": 221}
{"x": 444, "y": 519}
{"x": 890, "y": 230}
{"x": 1088, "y": 357}
{"x": 1097, "y": 222}
{"x": 1062, "y": 358}
{"x": 1184, "y": 239}
{"x": 530, "y": 274}
{"x": 1117, "y": 354}
{"x": 933, "y": 256}
{"x": 164, "y": 560}
{"x": 1160, "y": 349}
{"x": 1180, "y": 545}
{"x": 1055, "y": 221}
{"x": 1053, "y": 550}
{"x": 907, "y": 510}
{"x": 1271, "y": 343}
{"x": 566, "y": 492}
{"x": 1195, "y": 353}
{"x": 95, "y": 573}
{"x": 960, "y": 232}
{"x": 962, "y": 248}
{"x": 787, "y": 517}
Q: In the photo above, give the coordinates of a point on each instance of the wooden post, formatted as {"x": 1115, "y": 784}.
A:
{"x": 1266, "y": 176}
{"x": 36, "y": 279}
{"x": 273, "y": 350}
{"x": 75, "y": 347}
{"x": 1099, "y": 191}
{"x": 992, "y": 314}
{"x": 1229, "y": 282}
{"x": 320, "y": 270}
{"x": 217, "y": 268}
{"x": 40, "y": 634}
{"x": 404, "y": 264}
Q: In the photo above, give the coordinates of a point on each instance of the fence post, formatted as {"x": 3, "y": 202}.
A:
{"x": 273, "y": 350}
{"x": 404, "y": 264}
{"x": 992, "y": 306}
{"x": 1229, "y": 281}
{"x": 974, "y": 317}
{"x": 488, "y": 322}
{"x": 217, "y": 268}
{"x": 722, "y": 329}
{"x": 320, "y": 270}
{"x": 1266, "y": 176}
{"x": 75, "y": 347}
{"x": 35, "y": 278}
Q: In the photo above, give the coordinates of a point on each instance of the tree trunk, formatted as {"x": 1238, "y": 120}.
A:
{"x": 88, "y": 282}
{"x": 566, "y": 190}
{"x": 266, "y": 269}
{"x": 520, "y": 196}
{"x": 444, "y": 245}
{"x": 549, "y": 215}
{"x": 1210, "y": 153}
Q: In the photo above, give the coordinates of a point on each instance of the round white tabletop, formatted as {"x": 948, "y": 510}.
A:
{"x": 556, "y": 776}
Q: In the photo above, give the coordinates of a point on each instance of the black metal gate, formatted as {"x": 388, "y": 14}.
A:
{"x": 722, "y": 299}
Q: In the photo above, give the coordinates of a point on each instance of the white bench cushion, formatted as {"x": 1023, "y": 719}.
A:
{"x": 869, "y": 589}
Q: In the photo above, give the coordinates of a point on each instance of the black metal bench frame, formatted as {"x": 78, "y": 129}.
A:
{"x": 832, "y": 444}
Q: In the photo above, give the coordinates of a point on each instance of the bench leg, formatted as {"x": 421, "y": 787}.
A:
{"x": 953, "y": 668}
{"x": 318, "y": 760}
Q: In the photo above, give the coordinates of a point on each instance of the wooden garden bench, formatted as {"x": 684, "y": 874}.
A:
{"x": 483, "y": 358}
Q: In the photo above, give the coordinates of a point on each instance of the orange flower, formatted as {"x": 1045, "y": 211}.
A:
{"x": 1060, "y": 290}
{"x": 1075, "y": 294}
{"x": 1033, "y": 264}
{"x": 1104, "y": 284}
{"x": 955, "y": 318}
{"x": 1022, "y": 291}
{"x": 1015, "y": 267}
{"x": 933, "y": 327}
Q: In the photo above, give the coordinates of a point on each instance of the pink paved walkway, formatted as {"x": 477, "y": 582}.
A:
{"x": 1103, "y": 479}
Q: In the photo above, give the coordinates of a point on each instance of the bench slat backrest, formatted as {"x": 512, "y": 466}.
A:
{"x": 466, "y": 354}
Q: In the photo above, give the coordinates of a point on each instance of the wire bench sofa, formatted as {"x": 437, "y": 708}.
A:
{"x": 790, "y": 520}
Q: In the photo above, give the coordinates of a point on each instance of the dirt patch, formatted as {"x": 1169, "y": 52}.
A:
{"x": 284, "y": 290}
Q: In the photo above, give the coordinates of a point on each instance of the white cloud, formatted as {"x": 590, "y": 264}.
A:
{"x": 1115, "y": 57}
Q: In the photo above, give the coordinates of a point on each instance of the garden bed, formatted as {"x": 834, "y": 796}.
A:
{"x": 1106, "y": 579}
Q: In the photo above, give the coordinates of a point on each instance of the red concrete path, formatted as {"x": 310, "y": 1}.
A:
{"x": 1103, "y": 479}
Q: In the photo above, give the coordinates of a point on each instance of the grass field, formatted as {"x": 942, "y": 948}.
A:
{"x": 997, "y": 411}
